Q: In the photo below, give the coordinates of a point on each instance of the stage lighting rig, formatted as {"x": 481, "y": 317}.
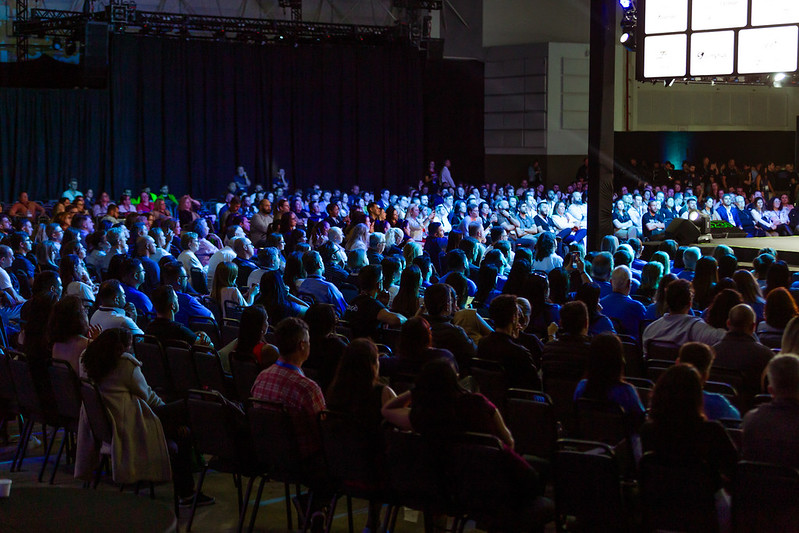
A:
{"x": 629, "y": 22}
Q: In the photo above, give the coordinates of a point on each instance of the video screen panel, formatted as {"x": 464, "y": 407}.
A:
{"x": 705, "y": 38}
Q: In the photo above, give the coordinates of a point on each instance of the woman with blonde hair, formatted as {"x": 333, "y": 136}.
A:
{"x": 358, "y": 238}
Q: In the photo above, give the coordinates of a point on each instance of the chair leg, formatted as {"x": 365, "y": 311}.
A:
{"x": 288, "y": 506}
{"x": 257, "y": 503}
{"x": 349, "y": 514}
{"x": 243, "y": 510}
{"x": 392, "y": 522}
{"x": 23, "y": 430}
{"x": 237, "y": 483}
{"x": 58, "y": 457}
{"x": 24, "y": 444}
{"x": 104, "y": 464}
{"x": 196, "y": 494}
{"x": 47, "y": 453}
{"x": 307, "y": 522}
{"x": 331, "y": 514}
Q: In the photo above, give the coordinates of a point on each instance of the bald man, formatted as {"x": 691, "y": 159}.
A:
{"x": 740, "y": 350}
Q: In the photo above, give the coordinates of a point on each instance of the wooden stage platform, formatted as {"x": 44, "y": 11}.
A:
{"x": 746, "y": 248}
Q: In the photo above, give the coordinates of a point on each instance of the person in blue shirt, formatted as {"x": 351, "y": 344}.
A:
{"x": 315, "y": 285}
{"x": 726, "y": 213}
{"x": 601, "y": 267}
{"x": 456, "y": 262}
{"x": 701, "y": 356}
{"x": 689, "y": 258}
{"x": 133, "y": 278}
{"x": 618, "y": 304}
{"x": 604, "y": 379}
{"x": 175, "y": 276}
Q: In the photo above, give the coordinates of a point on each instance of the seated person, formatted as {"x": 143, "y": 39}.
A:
{"x": 164, "y": 326}
{"x": 368, "y": 310}
{"x": 701, "y": 356}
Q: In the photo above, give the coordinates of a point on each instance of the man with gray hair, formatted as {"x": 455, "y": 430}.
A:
{"x": 689, "y": 258}
{"x": 268, "y": 260}
{"x": 771, "y": 432}
{"x": 377, "y": 244}
{"x": 117, "y": 240}
{"x": 11, "y": 302}
{"x": 619, "y": 306}
{"x": 315, "y": 285}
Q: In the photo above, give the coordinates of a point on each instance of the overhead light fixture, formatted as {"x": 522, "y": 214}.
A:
{"x": 57, "y": 43}
{"x": 780, "y": 76}
{"x": 624, "y": 37}
{"x": 625, "y": 4}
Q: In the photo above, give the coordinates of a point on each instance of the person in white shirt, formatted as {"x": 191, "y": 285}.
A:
{"x": 190, "y": 243}
{"x": 225, "y": 255}
{"x": 114, "y": 311}
{"x": 117, "y": 242}
{"x": 446, "y": 177}
{"x": 578, "y": 210}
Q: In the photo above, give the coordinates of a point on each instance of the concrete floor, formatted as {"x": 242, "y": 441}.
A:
{"x": 220, "y": 517}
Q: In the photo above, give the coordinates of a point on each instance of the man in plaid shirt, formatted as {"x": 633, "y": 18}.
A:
{"x": 284, "y": 382}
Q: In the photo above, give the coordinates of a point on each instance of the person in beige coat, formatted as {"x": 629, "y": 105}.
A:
{"x": 138, "y": 447}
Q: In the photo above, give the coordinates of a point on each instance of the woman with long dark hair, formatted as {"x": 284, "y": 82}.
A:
{"x": 68, "y": 331}
{"x": 719, "y": 309}
{"x": 275, "y": 298}
{"x": 604, "y": 379}
{"x": 326, "y": 346}
{"x": 407, "y": 301}
{"x": 75, "y": 279}
{"x": 251, "y": 344}
{"x": 704, "y": 282}
{"x": 545, "y": 258}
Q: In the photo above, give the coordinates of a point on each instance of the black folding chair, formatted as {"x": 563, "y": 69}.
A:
{"x": 181, "y": 366}
{"x": 199, "y": 281}
{"x": 229, "y": 330}
{"x": 588, "y": 486}
{"x": 210, "y": 373}
{"x": 244, "y": 374}
{"x": 66, "y": 390}
{"x": 207, "y": 325}
{"x": 99, "y": 423}
{"x": 667, "y": 351}
{"x": 150, "y": 352}
{"x": 764, "y": 498}
{"x": 530, "y": 416}
{"x": 490, "y": 377}
{"x": 219, "y": 429}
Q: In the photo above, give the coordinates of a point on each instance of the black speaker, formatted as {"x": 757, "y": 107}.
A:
{"x": 683, "y": 231}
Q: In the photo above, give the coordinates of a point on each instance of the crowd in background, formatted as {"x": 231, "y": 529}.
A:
{"x": 489, "y": 271}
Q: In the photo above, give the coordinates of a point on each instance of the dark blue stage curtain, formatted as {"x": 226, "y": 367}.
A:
{"x": 48, "y": 136}
{"x": 186, "y": 113}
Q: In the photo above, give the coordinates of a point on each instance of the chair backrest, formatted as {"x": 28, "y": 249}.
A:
{"x": 233, "y": 310}
{"x": 414, "y": 470}
{"x": 387, "y": 336}
{"x": 307, "y": 298}
{"x": 274, "y": 439}
{"x": 560, "y": 378}
{"x": 764, "y": 498}
{"x": 214, "y": 424}
{"x": 634, "y": 358}
{"x": 587, "y": 485}
{"x": 229, "y": 330}
{"x": 150, "y": 352}
{"x": 677, "y": 495}
{"x": 761, "y": 399}
{"x": 208, "y": 325}
{"x": 530, "y": 416}
{"x": 199, "y": 281}
{"x": 600, "y": 421}
{"x": 66, "y": 389}
{"x": 181, "y": 366}
{"x": 209, "y": 369}
{"x": 643, "y": 387}
{"x": 352, "y": 450}
{"x": 481, "y": 479}
{"x": 733, "y": 378}
{"x": 725, "y": 389}
{"x": 24, "y": 385}
{"x": 667, "y": 351}
{"x": 770, "y": 339}
{"x": 244, "y": 374}
{"x": 490, "y": 376}
{"x": 96, "y": 412}
{"x": 210, "y": 304}
{"x": 656, "y": 368}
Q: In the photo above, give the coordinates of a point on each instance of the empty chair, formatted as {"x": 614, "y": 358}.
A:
{"x": 150, "y": 352}
{"x": 199, "y": 281}
{"x": 490, "y": 377}
{"x": 530, "y": 416}
{"x": 99, "y": 423}
{"x": 210, "y": 374}
{"x": 219, "y": 429}
{"x": 229, "y": 330}
{"x": 232, "y": 310}
{"x": 560, "y": 379}
{"x": 677, "y": 495}
{"x": 600, "y": 421}
{"x": 66, "y": 390}
{"x": 667, "y": 351}
{"x": 492, "y": 486}
{"x": 588, "y": 486}
{"x": 181, "y": 366}
{"x": 656, "y": 367}
{"x": 276, "y": 449}
{"x": 765, "y": 498}
{"x": 244, "y": 374}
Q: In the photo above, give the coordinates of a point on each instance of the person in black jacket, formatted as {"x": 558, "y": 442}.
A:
{"x": 502, "y": 345}
{"x": 446, "y": 335}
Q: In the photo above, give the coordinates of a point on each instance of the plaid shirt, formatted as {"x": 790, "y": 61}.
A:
{"x": 302, "y": 397}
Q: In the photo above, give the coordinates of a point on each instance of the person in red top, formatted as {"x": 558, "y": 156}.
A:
{"x": 284, "y": 382}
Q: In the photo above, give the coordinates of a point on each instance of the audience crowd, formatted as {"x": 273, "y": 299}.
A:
{"x": 445, "y": 277}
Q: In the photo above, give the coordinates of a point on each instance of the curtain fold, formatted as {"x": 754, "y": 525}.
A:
{"x": 186, "y": 113}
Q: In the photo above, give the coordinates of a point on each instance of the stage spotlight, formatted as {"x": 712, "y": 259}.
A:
{"x": 56, "y": 44}
{"x": 780, "y": 76}
{"x": 625, "y": 4}
{"x": 693, "y": 216}
{"x": 625, "y": 37}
